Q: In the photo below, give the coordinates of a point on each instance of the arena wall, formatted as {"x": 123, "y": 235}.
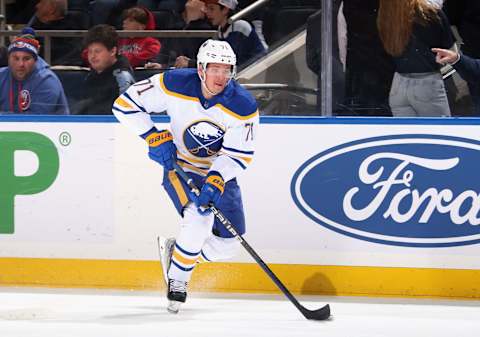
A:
{"x": 344, "y": 206}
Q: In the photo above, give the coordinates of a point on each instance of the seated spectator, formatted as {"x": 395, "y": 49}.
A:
{"x": 110, "y": 73}
{"x": 240, "y": 34}
{"x": 53, "y": 15}
{"x": 28, "y": 85}
{"x": 184, "y": 50}
{"x": 192, "y": 18}
{"x": 138, "y": 50}
{"x": 467, "y": 67}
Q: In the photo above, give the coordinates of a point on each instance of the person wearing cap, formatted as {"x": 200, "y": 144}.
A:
{"x": 240, "y": 34}
{"x": 28, "y": 84}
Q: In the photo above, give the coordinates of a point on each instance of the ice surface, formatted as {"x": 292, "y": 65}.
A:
{"x": 27, "y": 312}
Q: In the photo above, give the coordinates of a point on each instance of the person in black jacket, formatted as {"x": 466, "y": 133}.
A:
{"x": 110, "y": 73}
{"x": 369, "y": 69}
{"x": 465, "y": 15}
{"x": 53, "y": 15}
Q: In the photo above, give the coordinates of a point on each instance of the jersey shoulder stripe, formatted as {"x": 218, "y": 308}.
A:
{"x": 238, "y": 102}
{"x": 181, "y": 83}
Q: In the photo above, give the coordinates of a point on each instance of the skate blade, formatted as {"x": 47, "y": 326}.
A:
{"x": 173, "y": 307}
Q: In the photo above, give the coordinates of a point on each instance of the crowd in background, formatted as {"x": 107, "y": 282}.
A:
{"x": 384, "y": 61}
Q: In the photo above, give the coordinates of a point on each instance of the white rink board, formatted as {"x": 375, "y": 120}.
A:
{"x": 108, "y": 203}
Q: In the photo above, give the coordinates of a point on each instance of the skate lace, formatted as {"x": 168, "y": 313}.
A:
{"x": 178, "y": 286}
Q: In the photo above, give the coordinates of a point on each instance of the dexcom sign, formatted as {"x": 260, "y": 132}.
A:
{"x": 12, "y": 185}
{"x": 405, "y": 190}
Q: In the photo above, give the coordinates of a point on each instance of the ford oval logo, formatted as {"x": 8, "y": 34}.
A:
{"x": 405, "y": 190}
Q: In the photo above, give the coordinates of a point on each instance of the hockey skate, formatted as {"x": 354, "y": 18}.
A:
{"x": 176, "y": 290}
{"x": 177, "y": 294}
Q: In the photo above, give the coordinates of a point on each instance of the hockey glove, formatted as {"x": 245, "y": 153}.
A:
{"x": 210, "y": 193}
{"x": 161, "y": 148}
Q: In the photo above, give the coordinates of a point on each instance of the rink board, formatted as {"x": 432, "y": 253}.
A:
{"x": 336, "y": 206}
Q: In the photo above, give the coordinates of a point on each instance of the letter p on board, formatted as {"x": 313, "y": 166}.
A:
{"x": 12, "y": 185}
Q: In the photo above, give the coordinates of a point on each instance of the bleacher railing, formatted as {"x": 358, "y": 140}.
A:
{"x": 49, "y": 34}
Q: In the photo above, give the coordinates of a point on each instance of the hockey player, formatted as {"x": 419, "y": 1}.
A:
{"x": 213, "y": 123}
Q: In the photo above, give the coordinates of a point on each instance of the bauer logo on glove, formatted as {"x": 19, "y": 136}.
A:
{"x": 161, "y": 147}
{"x": 210, "y": 193}
{"x": 158, "y": 138}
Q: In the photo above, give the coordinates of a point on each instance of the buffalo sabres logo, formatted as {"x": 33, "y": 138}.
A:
{"x": 203, "y": 138}
{"x": 24, "y": 100}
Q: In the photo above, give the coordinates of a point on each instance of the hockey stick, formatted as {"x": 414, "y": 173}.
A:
{"x": 320, "y": 314}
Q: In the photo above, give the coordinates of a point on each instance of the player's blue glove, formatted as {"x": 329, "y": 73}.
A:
{"x": 210, "y": 193}
{"x": 161, "y": 148}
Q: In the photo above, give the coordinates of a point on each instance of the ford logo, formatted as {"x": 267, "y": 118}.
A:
{"x": 403, "y": 190}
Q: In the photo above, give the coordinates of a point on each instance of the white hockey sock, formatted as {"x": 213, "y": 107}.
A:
{"x": 195, "y": 229}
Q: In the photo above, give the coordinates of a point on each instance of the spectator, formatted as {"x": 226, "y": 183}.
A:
{"x": 139, "y": 50}
{"x": 184, "y": 50}
{"x": 240, "y": 34}
{"x": 53, "y": 15}
{"x": 28, "y": 85}
{"x": 408, "y": 30}
{"x": 368, "y": 68}
{"x": 468, "y": 68}
{"x": 465, "y": 15}
{"x": 110, "y": 73}
{"x": 192, "y": 18}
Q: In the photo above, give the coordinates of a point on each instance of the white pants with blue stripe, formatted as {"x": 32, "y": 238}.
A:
{"x": 196, "y": 242}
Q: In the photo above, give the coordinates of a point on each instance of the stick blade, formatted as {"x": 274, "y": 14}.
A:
{"x": 317, "y": 315}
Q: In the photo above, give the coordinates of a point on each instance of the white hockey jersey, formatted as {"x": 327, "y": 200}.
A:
{"x": 216, "y": 134}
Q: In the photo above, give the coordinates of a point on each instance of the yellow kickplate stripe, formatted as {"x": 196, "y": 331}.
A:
{"x": 244, "y": 277}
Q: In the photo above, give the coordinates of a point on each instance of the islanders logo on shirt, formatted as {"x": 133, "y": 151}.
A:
{"x": 203, "y": 138}
{"x": 24, "y": 100}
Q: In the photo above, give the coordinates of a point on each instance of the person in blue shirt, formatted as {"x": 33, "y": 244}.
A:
{"x": 28, "y": 85}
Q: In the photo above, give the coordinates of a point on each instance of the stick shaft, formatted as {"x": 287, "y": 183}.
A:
{"x": 231, "y": 228}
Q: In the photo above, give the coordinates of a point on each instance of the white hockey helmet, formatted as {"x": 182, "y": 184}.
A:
{"x": 215, "y": 51}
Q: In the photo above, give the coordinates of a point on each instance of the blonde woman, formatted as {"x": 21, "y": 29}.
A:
{"x": 409, "y": 29}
